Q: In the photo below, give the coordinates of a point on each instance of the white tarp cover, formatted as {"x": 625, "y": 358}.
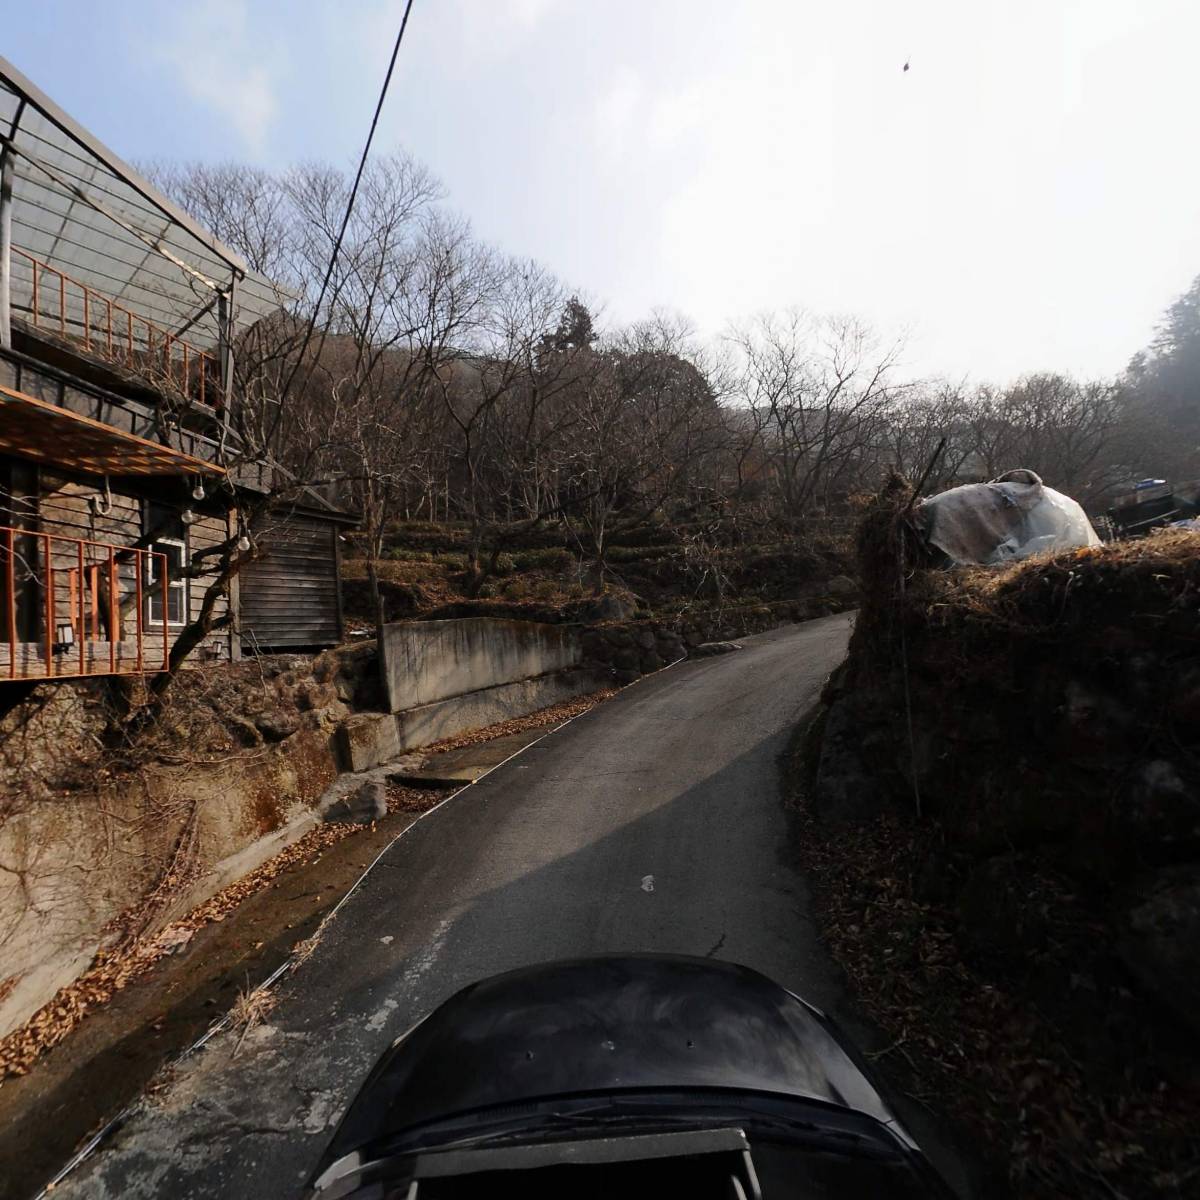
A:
{"x": 1010, "y": 518}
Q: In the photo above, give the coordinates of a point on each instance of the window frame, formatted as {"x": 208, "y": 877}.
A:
{"x": 154, "y": 589}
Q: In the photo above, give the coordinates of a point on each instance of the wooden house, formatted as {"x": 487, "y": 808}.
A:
{"x": 120, "y": 487}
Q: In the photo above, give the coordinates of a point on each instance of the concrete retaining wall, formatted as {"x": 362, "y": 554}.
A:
{"x": 80, "y": 860}
{"x": 489, "y": 706}
{"x": 427, "y": 661}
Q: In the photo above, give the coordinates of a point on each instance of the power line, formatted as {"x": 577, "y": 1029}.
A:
{"x": 337, "y": 245}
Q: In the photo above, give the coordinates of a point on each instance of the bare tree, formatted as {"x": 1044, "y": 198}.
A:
{"x": 815, "y": 394}
{"x": 1073, "y": 434}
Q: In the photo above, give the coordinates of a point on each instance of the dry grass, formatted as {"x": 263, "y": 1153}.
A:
{"x": 249, "y": 1010}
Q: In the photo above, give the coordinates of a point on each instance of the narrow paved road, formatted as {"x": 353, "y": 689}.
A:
{"x": 651, "y": 823}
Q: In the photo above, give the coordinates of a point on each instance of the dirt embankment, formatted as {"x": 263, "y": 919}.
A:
{"x": 1006, "y": 837}
{"x": 103, "y": 838}
{"x": 719, "y": 575}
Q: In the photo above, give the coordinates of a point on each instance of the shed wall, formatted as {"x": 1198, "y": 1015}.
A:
{"x": 289, "y": 596}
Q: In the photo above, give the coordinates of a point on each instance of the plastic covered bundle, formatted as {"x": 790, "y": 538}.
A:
{"x": 1010, "y": 518}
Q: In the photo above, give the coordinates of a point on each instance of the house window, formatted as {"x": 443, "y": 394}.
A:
{"x": 169, "y": 538}
{"x": 176, "y": 558}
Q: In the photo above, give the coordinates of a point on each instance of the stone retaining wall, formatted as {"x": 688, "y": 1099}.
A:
{"x": 631, "y": 649}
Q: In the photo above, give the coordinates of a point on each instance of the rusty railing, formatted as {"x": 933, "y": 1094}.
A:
{"x": 58, "y": 303}
{"x": 73, "y": 607}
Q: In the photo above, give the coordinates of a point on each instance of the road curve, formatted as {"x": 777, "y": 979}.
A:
{"x": 652, "y": 823}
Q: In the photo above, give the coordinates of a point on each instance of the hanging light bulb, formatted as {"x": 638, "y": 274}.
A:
{"x": 198, "y": 490}
{"x": 188, "y": 516}
{"x": 243, "y": 543}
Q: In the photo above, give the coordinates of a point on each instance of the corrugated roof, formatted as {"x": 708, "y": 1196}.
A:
{"x": 85, "y": 212}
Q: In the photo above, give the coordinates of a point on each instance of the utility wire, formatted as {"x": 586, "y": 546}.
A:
{"x": 337, "y": 245}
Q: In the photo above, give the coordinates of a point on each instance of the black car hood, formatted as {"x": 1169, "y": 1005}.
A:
{"x": 603, "y": 1025}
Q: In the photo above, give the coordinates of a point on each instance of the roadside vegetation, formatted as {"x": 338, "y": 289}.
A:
{"x": 1003, "y": 818}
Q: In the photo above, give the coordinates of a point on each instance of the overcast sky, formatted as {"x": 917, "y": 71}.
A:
{"x": 1025, "y": 197}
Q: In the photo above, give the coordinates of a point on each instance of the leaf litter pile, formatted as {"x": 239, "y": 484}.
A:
{"x": 115, "y": 967}
{"x": 556, "y": 714}
{"x": 964, "y": 1043}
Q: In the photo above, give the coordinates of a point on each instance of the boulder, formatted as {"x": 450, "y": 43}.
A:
{"x": 599, "y": 651}
{"x": 244, "y": 731}
{"x": 644, "y": 639}
{"x": 611, "y": 606}
{"x": 626, "y": 677}
{"x": 277, "y": 723}
{"x": 1160, "y": 940}
{"x": 365, "y": 805}
{"x": 626, "y": 660}
{"x": 841, "y": 586}
{"x": 650, "y": 661}
{"x": 708, "y": 649}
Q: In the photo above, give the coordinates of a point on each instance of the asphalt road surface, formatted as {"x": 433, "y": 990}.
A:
{"x": 651, "y": 823}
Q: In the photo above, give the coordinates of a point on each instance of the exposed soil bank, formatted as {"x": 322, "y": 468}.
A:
{"x": 1006, "y": 840}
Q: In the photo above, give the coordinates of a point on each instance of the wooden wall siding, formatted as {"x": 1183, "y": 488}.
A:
{"x": 208, "y": 531}
{"x": 64, "y": 508}
{"x": 289, "y": 596}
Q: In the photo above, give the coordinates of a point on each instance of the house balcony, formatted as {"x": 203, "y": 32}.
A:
{"x": 57, "y": 306}
{"x": 72, "y": 607}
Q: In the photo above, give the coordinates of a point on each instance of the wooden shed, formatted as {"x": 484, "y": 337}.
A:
{"x": 290, "y": 596}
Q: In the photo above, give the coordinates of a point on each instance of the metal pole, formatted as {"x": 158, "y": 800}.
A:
{"x": 139, "y": 563}
{"x": 82, "y": 634}
{"x": 10, "y": 570}
{"x": 49, "y": 586}
{"x": 6, "y": 205}
{"x": 225, "y": 307}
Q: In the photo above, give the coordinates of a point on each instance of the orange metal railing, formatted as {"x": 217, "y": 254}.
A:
{"x": 72, "y": 607}
{"x": 57, "y": 303}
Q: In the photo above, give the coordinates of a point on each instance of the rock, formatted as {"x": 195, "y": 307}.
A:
{"x": 368, "y": 803}
{"x": 612, "y": 606}
{"x": 626, "y": 660}
{"x": 1160, "y": 942}
{"x": 1186, "y": 703}
{"x": 708, "y": 649}
{"x": 244, "y": 731}
{"x": 644, "y": 639}
{"x": 650, "y": 662}
{"x": 277, "y": 724}
{"x": 626, "y": 677}
{"x": 670, "y": 652}
{"x": 354, "y": 673}
{"x": 599, "y": 651}
{"x": 1162, "y": 806}
{"x": 275, "y": 665}
{"x": 618, "y": 637}
{"x": 841, "y": 586}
